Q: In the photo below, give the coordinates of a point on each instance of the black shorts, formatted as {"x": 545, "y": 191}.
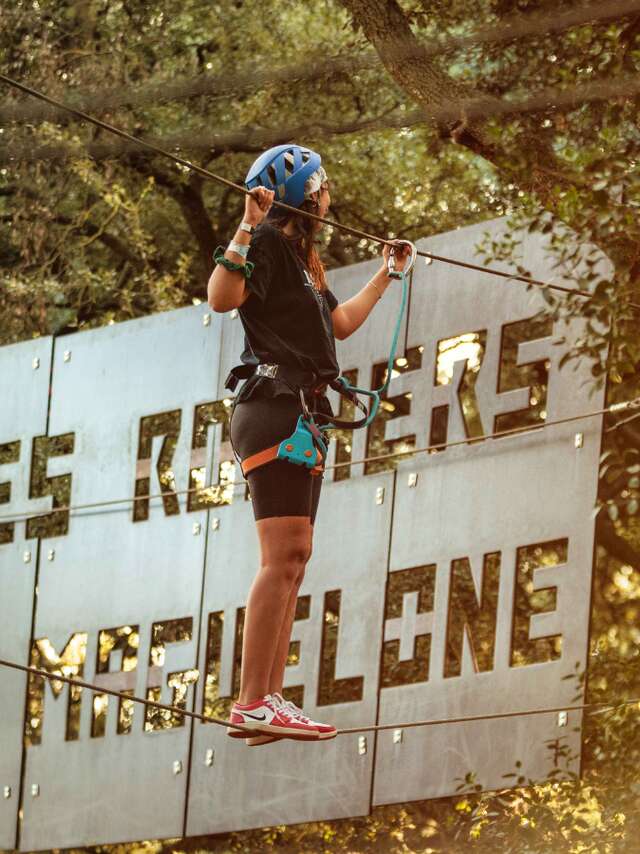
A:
{"x": 278, "y": 488}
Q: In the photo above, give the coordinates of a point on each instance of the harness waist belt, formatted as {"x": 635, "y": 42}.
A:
{"x": 294, "y": 376}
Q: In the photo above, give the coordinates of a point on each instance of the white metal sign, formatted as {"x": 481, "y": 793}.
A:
{"x": 444, "y": 585}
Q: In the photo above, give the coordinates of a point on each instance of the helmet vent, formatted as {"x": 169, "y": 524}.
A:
{"x": 305, "y": 156}
{"x": 289, "y": 164}
{"x": 271, "y": 172}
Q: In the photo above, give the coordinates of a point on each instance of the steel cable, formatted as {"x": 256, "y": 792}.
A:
{"x": 199, "y": 170}
{"x": 513, "y": 431}
{"x": 346, "y": 731}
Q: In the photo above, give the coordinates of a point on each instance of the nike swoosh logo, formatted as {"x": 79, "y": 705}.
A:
{"x": 255, "y": 717}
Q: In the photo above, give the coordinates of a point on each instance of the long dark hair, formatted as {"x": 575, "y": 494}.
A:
{"x": 302, "y": 239}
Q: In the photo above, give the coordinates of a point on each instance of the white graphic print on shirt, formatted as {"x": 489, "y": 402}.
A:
{"x": 309, "y": 283}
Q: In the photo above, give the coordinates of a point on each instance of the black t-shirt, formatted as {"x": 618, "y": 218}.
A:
{"x": 286, "y": 319}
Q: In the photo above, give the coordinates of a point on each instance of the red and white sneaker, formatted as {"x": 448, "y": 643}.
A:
{"x": 324, "y": 730}
{"x": 255, "y": 740}
{"x": 268, "y": 716}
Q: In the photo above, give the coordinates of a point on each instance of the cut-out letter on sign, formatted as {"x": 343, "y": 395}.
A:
{"x": 206, "y": 417}
{"x": 9, "y": 453}
{"x": 390, "y": 407}
{"x": 165, "y": 424}
{"x": 472, "y": 613}
{"x": 534, "y": 375}
{"x": 70, "y": 662}
{"x": 295, "y": 693}
{"x": 162, "y": 634}
{"x": 530, "y": 600}
{"x": 213, "y": 704}
{"x": 125, "y": 640}
{"x": 330, "y": 689}
{"x": 343, "y": 437}
{"x": 408, "y": 624}
{"x": 458, "y": 362}
{"x": 54, "y": 524}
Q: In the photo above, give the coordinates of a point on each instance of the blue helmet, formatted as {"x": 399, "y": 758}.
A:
{"x": 284, "y": 169}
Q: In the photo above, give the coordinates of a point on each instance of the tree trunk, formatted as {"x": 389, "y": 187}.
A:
{"x": 537, "y": 171}
{"x": 409, "y": 63}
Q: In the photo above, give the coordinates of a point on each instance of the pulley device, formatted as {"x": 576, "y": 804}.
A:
{"x": 307, "y": 445}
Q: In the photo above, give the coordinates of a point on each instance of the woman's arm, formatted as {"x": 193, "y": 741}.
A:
{"x": 226, "y": 288}
{"x": 351, "y": 314}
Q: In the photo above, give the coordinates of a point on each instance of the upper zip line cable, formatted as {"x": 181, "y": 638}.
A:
{"x": 513, "y": 431}
{"x": 602, "y": 706}
{"x": 199, "y": 170}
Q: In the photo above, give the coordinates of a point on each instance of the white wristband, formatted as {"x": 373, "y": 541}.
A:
{"x": 240, "y": 248}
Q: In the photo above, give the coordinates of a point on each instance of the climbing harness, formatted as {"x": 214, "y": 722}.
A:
{"x": 307, "y": 445}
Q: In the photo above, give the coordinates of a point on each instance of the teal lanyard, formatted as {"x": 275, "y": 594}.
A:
{"x": 307, "y": 441}
{"x": 376, "y": 394}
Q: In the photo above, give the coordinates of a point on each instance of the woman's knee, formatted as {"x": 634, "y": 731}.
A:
{"x": 288, "y": 561}
{"x": 303, "y": 565}
{"x": 285, "y": 546}
{"x": 290, "y": 571}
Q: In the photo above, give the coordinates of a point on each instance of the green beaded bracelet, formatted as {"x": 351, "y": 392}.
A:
{"x": 246, "y": 268}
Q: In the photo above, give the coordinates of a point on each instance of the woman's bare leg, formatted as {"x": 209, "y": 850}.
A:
{"x": 282, "y": 650}
{"x": 285, "y": 545}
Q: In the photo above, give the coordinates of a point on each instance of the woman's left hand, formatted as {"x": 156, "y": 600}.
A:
{"x": 402, "y": 251}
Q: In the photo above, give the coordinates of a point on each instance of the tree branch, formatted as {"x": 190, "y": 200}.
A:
{"x": 196, "y": 216}
{"x": 113, "y": 243}
{"x": 463, "y": 114}
{"x": 188, "y": 196}
{"x": 242, "y": 83}
{"x": 249, "y": 139}
{"x": 626, "y": 40}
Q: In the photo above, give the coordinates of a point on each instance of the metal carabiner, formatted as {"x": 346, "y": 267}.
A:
{"x": 391, "y": 263}
{"x": 303, "y": 403}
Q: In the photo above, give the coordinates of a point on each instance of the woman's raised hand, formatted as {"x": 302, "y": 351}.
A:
{"x": 257, "y": 204}
{"x": 402, "y": 252}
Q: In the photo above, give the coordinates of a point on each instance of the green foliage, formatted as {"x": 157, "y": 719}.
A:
{"x": 130, "y": 235}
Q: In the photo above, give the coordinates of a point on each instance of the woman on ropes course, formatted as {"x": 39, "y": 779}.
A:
{"x": 272, "y": 273}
